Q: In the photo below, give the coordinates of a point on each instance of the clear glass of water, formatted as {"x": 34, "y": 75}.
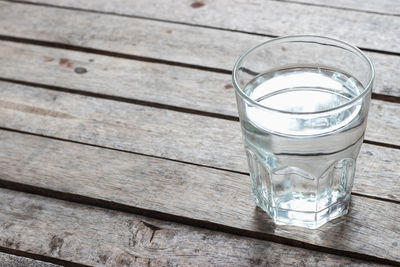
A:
{"x": 303, "y": 104}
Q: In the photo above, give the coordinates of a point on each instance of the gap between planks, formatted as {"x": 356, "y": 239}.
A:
{"x": 68, "y": 224}
{"x": 143, "y": 17}
{"x": 124, "y": 100}
{"x": 155, "y": 105}
{"x": 45, "y": 261}
{"x": 110, "y": 53}
{"x": 125, "y": 151}
{"x": 381, "y": 51}
{"x": 121, "y": 119}
{"x": 169, "y": 218}
{"x": 118, "y": 206}
{"x": 386, "y": 13}
{"x": 387, "y": 98}
{"x": 43, "y": 191}
{"x": 220, "y": 56}
{"x": 375, "y": 143}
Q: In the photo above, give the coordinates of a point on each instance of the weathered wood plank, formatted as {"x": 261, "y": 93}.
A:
{"x": 368, "y": 30}
{"x": 163, "y": 133}
{"x": 157, "y": 83}
{"x": 375, "y": 252}
{"x": 389, "y": 128}
{"x": 202, "y": 90}
{"x": 8, "y": 260}
{"x": 67, "y": 231}
{"x": 132, "y": 127}
{"x": 390, "y": 7}
{"x": 378, "y": 171}
{"x": 167, "y": 41}
{"x": 196, "y": 193}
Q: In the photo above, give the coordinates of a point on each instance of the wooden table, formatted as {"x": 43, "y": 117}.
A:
{"x": 120, "y": 143}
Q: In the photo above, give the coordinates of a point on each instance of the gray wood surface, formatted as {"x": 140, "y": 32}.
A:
{"x": 157, "y": 83}
{"x": 199, "y": 91}
{"x": 202, "y": 90}
{"x": 211, "y": 196}
{"x": 368, "y": 30}
{"x": 158, "y": 132}
{"x": 376, "y": 6}
{"x": 8, "y": 260}
{"x": 186, "y": 192}
{"x": 99, "y": 237}
{"x": 147, "y": 130}
{"x": 167, "y": 41}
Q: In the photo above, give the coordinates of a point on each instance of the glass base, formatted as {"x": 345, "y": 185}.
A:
{"x": 301, "y": 196}
{"x": 308, "y": 219}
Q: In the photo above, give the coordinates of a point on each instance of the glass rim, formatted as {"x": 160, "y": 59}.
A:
{"x": 297, "y": 38}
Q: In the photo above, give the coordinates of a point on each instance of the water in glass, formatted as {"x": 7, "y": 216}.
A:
{"x": 302, "y": 167}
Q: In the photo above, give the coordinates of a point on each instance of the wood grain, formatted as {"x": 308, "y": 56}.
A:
{"x": 152, "y": 131}
{"x": 8, "y": 260}
{"x": 196, "y": 195}
{"x": 390, "y": 7}
{"x": 202, "y": 90}
{"x": 166, "y": 41}
{"x": 70, "y": 231}
{"x": 132, "y": 79}
{"x": 367, "y": 30}
{"x": 73, "y": 235}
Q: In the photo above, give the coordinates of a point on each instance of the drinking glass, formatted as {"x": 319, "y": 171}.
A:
{"x": 303, "y": 104}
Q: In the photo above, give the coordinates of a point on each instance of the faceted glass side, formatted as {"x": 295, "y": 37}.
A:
{"x": 292, "y": 196}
